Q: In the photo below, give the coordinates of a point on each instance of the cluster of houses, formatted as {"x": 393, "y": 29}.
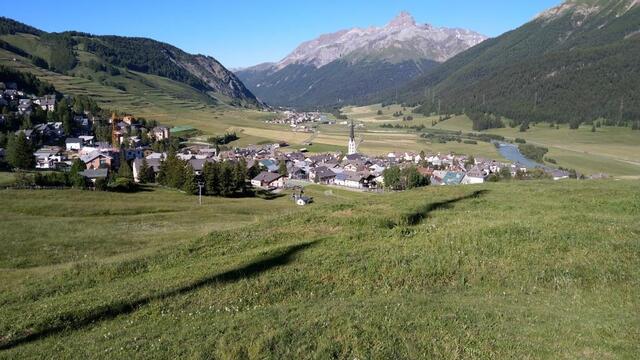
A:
{"x": 25, "y": 103}
{"x": 354, "y": 171}
{"x": 57, "y": 151}
{"x": 100, "y": 157}
{"x": 300, "y": 121}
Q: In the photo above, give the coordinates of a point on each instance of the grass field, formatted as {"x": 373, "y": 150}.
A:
{"x": 494, "y": 271}
{"x": 6, "y": 178}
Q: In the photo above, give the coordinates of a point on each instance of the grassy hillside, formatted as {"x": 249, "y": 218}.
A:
{"x": 576, "y": 64}
{"x": 111, "y": 59}
{"x": 145, "y": 95}
{"x": 501, "y": 271}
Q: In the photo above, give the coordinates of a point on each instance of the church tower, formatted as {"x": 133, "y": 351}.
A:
{"x": 352, "y": 140}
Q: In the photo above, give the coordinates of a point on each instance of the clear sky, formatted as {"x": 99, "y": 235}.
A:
{"x": 241, "y": 33}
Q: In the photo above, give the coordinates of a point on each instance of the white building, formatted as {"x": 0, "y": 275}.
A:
{"x": 73, "y": 144}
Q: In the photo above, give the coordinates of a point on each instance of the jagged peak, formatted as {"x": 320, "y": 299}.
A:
{"x": 404, "y": 19}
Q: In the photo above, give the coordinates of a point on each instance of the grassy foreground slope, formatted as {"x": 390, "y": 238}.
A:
{"x": 498, "y": 270}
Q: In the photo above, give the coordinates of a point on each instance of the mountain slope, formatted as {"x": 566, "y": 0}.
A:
{"x": 575, "y": 62}
{"x": 76, "y": 54}
{"x": 350, "y": 65}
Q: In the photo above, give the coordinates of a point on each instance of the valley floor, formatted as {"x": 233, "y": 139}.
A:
{"x": 611, "y": 150}
{"x": 497, "y": 270}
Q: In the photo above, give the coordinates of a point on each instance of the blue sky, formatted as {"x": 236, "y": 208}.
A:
{"x": 247, "y": 32}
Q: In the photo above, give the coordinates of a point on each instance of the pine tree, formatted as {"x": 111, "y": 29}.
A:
{"x": 190, "y": 185}
{"x": 76, "y": 179}
{"x": 19, "y": 152}
{"x": 240, "y": 175}
{"x": 172, "y": 171}
{"x": 146, "y": 172}
{"x": 227, "y": 183}
{"x": 125, "y": 170}
{"x": 211, "y": 172}
{"x": 66, "y": 123}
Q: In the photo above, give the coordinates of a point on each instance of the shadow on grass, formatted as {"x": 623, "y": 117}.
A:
{"x": 268, "y": 195}
{"x": 416, "y": 217}
{"x": 71, "y": 323}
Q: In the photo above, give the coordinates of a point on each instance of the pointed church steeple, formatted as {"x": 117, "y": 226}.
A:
{"x": 351, "y": 131}
{"x": 352, "y": 140}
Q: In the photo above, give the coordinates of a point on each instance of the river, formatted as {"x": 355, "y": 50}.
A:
{"x": 511, "y": 153}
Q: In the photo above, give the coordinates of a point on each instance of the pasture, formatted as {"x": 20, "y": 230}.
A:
{"x": 498, "y": 270}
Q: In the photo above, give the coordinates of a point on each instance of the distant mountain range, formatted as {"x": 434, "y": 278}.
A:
{"x": 76, "y": 53}
{"x": 575, "y": 62}
{"x": 350, "y": 65}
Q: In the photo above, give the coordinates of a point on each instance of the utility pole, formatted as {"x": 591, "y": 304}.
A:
{"x": 438, "y": 107}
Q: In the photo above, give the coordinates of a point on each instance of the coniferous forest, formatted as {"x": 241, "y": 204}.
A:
{"x": 565, "y": 69}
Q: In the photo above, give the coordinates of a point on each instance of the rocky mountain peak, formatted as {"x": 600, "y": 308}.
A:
{"x": 404, "y": 19}
{"x": 400, "y": 40}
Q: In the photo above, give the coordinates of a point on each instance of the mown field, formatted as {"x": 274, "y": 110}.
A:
{"x": 611, "y": 150}
{"x": 492, "y": 271}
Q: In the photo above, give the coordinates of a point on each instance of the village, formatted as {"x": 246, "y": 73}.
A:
{"x": 300, "y": 121}
{"x": 143, "y": 144}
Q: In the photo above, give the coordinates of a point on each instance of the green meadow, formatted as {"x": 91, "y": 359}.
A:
{"x": 491, "y": 271}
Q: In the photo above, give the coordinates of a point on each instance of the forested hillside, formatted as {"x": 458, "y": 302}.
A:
{"x": 340, "y": 82}
{"x": 574, "y": 63}
{"x": 81, "y": 54}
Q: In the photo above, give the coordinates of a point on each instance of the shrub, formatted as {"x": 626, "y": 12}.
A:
{"x": 121, "y": 184}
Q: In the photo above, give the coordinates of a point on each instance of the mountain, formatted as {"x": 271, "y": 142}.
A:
{"x": 114, "y": 57}
{"x": 349, "y": 65}
{"x": 575, "y": 62}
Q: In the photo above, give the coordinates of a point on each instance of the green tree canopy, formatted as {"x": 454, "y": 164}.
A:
{"x": 20, "y": 152}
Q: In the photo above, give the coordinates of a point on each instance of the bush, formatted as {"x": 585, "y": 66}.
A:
{"x": 101, "y": 185}
{"x": 51, "y": 179}
{"x": 23, "y": 179}
{"x": 520, "y": 141}
{"x": 121, "y": 184}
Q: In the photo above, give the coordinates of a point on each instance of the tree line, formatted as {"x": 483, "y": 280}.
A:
{"x": 226, "y": 178}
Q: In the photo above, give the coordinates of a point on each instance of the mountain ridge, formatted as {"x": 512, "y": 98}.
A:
{"x": 299, "y": 79}
{"x": 149, "y": 56}
{"x": 573, "y": 63}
